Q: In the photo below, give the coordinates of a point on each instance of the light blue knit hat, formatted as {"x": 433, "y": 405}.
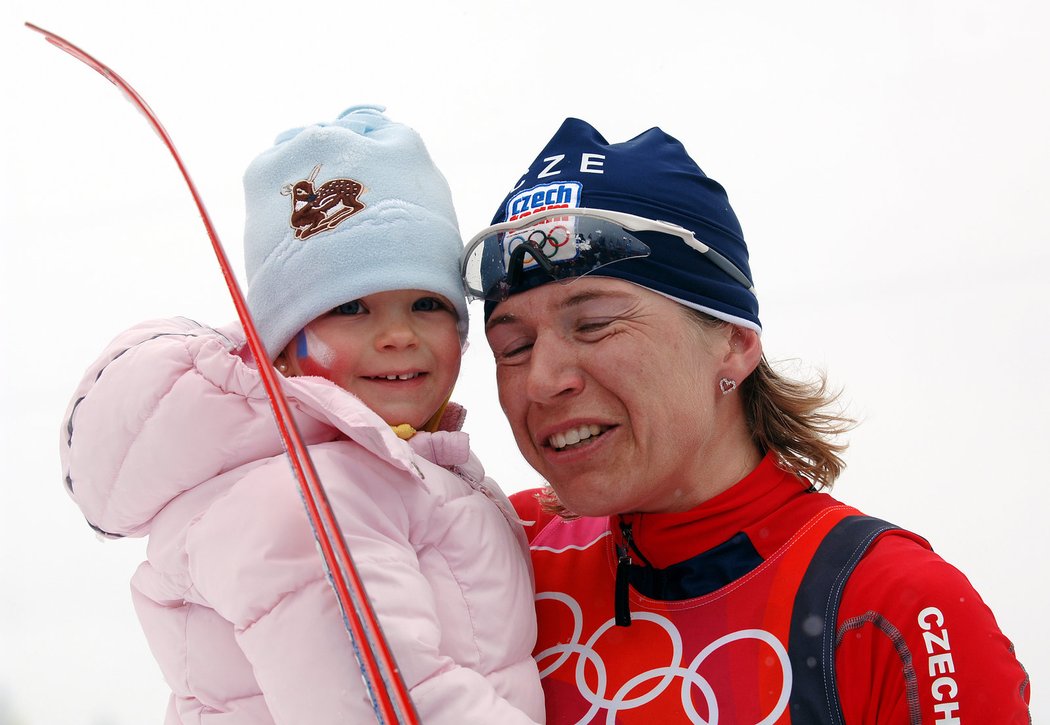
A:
{"x": 337, "y": 211}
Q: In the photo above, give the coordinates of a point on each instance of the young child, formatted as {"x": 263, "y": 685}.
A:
{"x": 351, "y": 248}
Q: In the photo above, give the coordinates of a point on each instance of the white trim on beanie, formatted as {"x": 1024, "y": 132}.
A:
{"x": 403, "y": 236}
{"x": 713, "y": 312}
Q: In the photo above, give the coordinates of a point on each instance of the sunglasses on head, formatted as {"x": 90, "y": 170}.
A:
{"x": 565, "y": 244}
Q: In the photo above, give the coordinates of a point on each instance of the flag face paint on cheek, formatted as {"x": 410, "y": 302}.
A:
{"x": 315, "y": 357}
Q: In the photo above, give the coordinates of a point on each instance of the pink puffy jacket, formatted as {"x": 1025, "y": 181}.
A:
{"x": 170, "y": 435}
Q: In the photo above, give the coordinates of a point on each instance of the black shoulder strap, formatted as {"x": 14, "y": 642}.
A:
{"x": 811, "y": 641}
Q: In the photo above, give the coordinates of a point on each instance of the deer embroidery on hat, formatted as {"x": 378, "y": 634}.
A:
{"x": 323, "y": 208}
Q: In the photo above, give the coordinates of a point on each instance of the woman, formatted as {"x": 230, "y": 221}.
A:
{"x": 689, "y": 566}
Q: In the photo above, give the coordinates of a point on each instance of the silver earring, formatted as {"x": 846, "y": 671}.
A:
{"x": 727, "y": 385}
{"x": 283, "y": 367}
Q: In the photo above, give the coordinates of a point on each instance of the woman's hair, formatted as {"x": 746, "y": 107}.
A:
{"x": 796, "y": 420}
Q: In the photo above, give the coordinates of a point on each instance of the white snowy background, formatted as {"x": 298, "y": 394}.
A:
{"x": 889, "y": 162}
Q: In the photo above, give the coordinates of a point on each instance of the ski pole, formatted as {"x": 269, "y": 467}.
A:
{"x": 386, "y": 688}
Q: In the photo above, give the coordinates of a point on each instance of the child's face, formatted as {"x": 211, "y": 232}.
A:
{"x": 398, "y": 351}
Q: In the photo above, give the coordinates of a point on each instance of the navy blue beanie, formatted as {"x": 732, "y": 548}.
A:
{"x": 650, "y": 176}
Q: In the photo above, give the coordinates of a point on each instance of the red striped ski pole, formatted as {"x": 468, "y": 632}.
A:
{"x": 387, "y": 689}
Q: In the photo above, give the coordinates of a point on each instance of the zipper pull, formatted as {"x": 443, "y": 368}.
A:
{"x": 622, "y": 600}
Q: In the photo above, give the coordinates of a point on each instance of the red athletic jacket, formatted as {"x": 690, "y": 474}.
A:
{"x": 767, "y": 604}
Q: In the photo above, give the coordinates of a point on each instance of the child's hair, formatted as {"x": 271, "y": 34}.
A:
{"x": 337, "y": 211}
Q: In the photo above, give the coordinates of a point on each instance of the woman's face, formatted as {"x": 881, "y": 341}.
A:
{"x": 399, "y": 352}
{"x": 613, "y": 396}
